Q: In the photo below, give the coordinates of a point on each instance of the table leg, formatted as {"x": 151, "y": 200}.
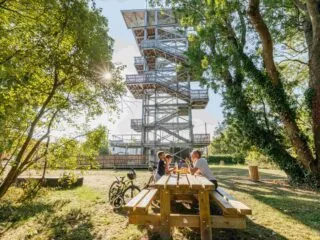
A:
{"x": 205, "y": 219}
{"x": 165, "y": 210}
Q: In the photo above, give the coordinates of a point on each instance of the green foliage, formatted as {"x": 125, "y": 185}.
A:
{"x": 64, "y": 154}
{"x": 53, "y": 58}
{"x": 68, "y": 153}
{"x": 96, "y": 142}
{"x": 226, "y": 158}
{"x": 309, "y": 95}
{"x": 229, "y": 140}
{"x": 254, "y": 157}
{"x": 67, "y": 180}
{"x": 30, "y": 189}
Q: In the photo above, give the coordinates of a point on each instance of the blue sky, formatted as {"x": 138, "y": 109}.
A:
{"x": 124, "y": 50}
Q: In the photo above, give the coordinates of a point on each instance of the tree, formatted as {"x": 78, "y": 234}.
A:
{"x": 53, "y": 54}
{"x": 69, "y": 153}
{"x": 95, "y": 141}
{"x": 241, "y": 46}
{"x": 228, "y": 139}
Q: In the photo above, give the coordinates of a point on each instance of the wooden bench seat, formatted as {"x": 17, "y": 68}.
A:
{"x": 228, "y": 204}
{"x": 142, "y": 201}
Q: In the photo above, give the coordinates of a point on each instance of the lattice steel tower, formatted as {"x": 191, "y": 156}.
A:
{"x": 163, "y": 86}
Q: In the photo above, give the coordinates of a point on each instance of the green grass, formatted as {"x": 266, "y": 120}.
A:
{"x": 279, "y": 211}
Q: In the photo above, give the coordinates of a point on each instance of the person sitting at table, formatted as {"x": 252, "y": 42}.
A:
{"x": 200, "y": 166}
{"x": 168, "y": 158}
{"x": 161, "y": 167}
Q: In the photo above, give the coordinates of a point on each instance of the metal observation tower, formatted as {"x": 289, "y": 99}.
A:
{"x": 166, "y": 91}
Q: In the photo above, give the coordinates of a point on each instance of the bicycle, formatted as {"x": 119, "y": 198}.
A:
{"x": 122, "y": 190}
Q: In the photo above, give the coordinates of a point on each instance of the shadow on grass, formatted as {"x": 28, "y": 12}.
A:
{"x": 19, "y": 212}
{"x": 227, "y": 172}
{"x": 253, "y": 231}
{"x": 302, "y": 206}
{"x": 75, "y": 224}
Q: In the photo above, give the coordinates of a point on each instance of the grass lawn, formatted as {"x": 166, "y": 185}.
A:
{"x": 279, "y": 211}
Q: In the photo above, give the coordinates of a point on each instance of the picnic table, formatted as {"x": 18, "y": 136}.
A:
{"x": 175, "y": 187}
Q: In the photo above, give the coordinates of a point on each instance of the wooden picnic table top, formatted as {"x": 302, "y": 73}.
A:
{"x": 184, "y": 181}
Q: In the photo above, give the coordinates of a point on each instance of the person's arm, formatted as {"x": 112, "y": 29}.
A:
{"x": 193, "y": 170}
{"x": 169, "y": 170}
{"x": 197, "y": 167}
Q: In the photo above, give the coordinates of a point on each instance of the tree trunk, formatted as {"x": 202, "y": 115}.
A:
{"x": 9, "y": 180}
{"x": 276, "y": 90}
{"x": 314, "y": 69}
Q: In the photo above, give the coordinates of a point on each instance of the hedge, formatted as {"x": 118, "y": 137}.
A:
{"x": 227, "y": 158}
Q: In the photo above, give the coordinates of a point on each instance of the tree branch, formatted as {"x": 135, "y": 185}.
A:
{"x": 294, "y": 60}
{"x": 300, "y": 5}
{"x": 37, "y": 119}
{"x": 16, "y": 12}
{"x": 35, "y": 147}
{"x": 243, "y": 27}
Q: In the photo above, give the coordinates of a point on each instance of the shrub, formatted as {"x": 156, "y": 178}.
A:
{"x": 68, "y": 180}
{"x": 254, "y": 157}
{"x": 227, "y": 158}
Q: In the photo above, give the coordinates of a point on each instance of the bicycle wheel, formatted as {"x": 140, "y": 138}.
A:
{"x": 130, "y": 192}
{"x": 113, "y": 190}
{"x": 117, "y": 202}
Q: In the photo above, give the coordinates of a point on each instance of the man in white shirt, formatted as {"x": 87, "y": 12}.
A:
{"x": 200, "y": 166}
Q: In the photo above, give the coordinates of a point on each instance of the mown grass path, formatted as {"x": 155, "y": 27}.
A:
{"x": 279, "y": 211}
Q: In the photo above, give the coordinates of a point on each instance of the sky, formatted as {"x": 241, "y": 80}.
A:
{"x": 125, "y": 49}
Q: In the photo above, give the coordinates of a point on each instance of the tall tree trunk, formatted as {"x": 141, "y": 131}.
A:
{"x": 287, "y": 114}
{"x": 314, "y": 69}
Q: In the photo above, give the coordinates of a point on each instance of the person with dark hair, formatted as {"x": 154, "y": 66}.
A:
{"x": 168, "y": 158}
{"x": 200, "y": 166}
{"x": 161, "y": 168}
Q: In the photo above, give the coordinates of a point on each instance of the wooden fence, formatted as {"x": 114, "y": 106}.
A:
{"x": 122, "y": 161}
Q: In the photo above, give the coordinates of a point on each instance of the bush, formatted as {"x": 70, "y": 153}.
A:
{"x": 68, "y": 180}
{"x": 254, "y": 157}
{"x": 227, "y": 158}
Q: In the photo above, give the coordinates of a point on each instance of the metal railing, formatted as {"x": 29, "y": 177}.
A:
{"x": 200, "y": 94}
{"x": 163, "y": 46}
{"x": 203, "y": 139}
{"x": 139, "y": 61}
{"x": 124, "y": 139}
{"x": 153, "y": 78}
{"x": 136, "y": 124}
